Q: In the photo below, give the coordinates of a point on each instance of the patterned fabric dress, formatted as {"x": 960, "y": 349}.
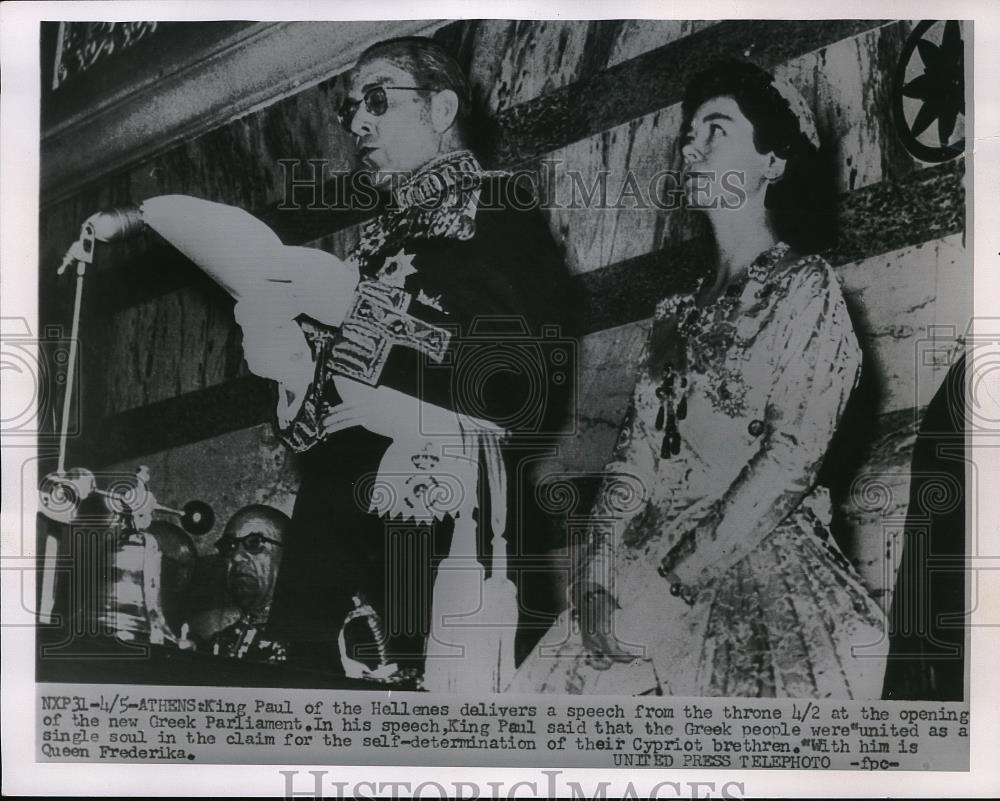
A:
{"x": 715, "y": 471}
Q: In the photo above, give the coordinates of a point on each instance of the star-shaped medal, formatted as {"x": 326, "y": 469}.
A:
{"x": 397, "y": 269}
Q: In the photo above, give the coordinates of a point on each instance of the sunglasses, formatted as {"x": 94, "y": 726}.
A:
{"x": 252, "y": 543}
{"x": 376, "y": 103}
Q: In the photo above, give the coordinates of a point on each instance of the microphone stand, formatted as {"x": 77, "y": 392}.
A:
{"x": 82, "y": 253}
{"x": 196, "y": 517}
{"x": 104, "y": 227}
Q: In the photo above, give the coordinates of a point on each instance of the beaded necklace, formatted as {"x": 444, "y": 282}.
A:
{"x": 706, "y": 336}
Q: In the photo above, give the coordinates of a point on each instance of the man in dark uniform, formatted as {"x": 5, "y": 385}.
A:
{"x": 456, "y": 343}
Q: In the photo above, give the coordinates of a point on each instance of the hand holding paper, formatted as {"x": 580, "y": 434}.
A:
{"x": 247, "y": 259}
{"x": 272, "y": 283}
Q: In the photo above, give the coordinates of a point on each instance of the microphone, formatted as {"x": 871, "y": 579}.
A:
{"x": 104, "y": 226}
{"x": 111, "y": 225}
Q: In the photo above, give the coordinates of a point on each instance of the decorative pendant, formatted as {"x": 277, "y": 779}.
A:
{"x": 667, "y": 416}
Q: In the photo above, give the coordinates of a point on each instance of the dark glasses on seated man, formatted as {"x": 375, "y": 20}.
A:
{"x": 252, "y": 543}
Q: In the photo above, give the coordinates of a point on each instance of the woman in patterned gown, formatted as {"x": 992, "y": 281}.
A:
{"x": 710, "y": 568}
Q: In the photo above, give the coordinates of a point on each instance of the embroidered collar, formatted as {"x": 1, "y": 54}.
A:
{"x": 438, "y": 202}
{"x": 455, "y": 172}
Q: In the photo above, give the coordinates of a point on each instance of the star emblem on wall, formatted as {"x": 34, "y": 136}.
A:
{"x": 930, "y": 88}
{"x": 397, "y": 269}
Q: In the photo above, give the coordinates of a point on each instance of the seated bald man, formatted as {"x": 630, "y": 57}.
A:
{"x": 252, "y": 546}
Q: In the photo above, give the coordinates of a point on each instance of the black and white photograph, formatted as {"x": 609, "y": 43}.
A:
{"x": 515, "y": 392}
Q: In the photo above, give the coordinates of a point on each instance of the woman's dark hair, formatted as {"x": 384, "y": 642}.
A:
{"x": 802, "y": 201}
